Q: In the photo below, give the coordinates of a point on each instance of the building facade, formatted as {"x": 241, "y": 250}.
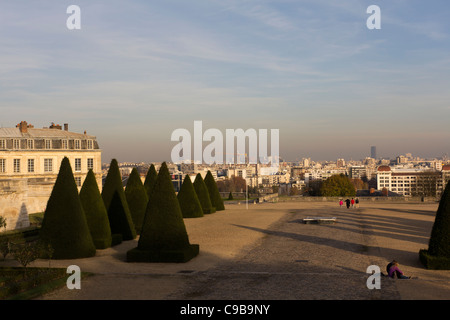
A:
{"x": 413, "y": 181}
{"x": 33, "y": 156}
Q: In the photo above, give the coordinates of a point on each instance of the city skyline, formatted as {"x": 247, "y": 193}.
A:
{"x": 136, "y": 71}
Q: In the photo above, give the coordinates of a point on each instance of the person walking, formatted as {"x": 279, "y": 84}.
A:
{"x": 347, "y": 202}
{"x": 352, "y": 202}
{"x": 357, "y": 203}
{"x": 341, "y": 203}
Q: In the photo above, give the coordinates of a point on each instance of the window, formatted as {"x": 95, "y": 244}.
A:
{"x": 78, "y": 181}
{"x": 2, "y": 165}
{"x": 65, "y": 144}
{"x": 90, "y": 144}
{"x": 78, "y": 165}
{"x": 16, "y": 144}
{"x": 30, "y": 164}
{"x": 77, "y": 144}
{"x": 48, "y": 165}
{"x": 30, "y": 144}
{"x": 48, "y": 144}
{"x": 2, "y": 144}
{"x": 16, "y": 165}
{"x": 90, "y": 164}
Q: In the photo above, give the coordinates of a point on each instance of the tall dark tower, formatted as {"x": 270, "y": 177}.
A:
{"x": 373, "y": 152}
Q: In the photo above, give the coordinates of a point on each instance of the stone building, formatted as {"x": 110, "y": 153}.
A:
{"x": 29, "y": 164}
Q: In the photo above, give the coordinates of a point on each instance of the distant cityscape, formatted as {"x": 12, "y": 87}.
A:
{"x": 404, "y": 175}
{"x": 30, "y": 158}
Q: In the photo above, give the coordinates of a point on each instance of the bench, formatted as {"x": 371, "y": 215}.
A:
{"x": 320, "y": 220}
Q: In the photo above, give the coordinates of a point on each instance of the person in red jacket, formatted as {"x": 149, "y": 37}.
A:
{"x": 352, "y": 202}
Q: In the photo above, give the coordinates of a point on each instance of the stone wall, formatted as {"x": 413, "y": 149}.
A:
{"x": 13, "y": 203}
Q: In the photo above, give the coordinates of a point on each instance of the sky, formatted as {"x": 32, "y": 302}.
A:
{"x": 138, "y": 70}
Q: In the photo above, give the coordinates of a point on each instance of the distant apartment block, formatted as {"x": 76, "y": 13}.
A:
{"x": 413, "y": 181}
{"x": 30, "y": 160}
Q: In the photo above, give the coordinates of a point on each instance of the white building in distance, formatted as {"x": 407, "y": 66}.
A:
{"x": 413, "y": 181}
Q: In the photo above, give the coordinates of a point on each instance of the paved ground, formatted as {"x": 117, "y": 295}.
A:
{"x": 265, "y": 252}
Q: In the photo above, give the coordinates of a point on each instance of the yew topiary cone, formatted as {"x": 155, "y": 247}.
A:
{"x": 163, "y": 236}
{"x": 95, "y": 211}
{"x": 150, "y": 180}
{"x": 64, "y": 225}
{"x": 116, "y": 204}
{"x": 188, "y": 200}
{"x": 203, "y": 194}
{"x": 214, "y": 194}
{"x": 137, "y": 199}
{"x": 438, "y": 254}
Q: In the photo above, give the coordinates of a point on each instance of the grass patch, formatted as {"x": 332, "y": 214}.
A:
{"x": 36, "y": 218}
{"x": 18, "y": 283}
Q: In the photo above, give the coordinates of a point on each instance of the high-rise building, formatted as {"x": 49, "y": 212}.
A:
{"x": 373, "y": 152}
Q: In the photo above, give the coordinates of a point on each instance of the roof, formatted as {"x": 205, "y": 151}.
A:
{"x": 384, "y": 168}
{"x": 446, "y": 167}
{"x": 42, "y": 133}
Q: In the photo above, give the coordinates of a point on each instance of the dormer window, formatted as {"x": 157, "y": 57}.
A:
{"x": 16, "y": 144}
{"x": 65, "y": 144}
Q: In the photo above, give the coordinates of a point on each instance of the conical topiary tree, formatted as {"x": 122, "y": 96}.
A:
{"x": 137, "y": 199}
{"x": 189, "y": 203}
{"x": 116, "y": 204}
{"x": 150, "y": 180}
{"x": 438, "y": 254}
{"x": 163, "y": 236}
{"x": 64, "y": 225}
{"x": 95, "y": 211}
{"x": 214, "y": 195}
{"x": 230, "y": 196}
{"x": 203, "y": 194}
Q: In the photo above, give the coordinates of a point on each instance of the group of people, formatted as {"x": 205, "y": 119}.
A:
{"x": 348, "y": 203}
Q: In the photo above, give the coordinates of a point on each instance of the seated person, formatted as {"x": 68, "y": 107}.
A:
{"x": 393, "y": 270}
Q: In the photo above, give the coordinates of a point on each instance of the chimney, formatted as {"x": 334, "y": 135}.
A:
{"x": 55, "y": 126}
{"x": 66, "y": 127}
{"x": 22, "y": 127}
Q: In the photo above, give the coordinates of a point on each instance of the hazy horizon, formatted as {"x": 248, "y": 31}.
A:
{"x": 138, "y": 70}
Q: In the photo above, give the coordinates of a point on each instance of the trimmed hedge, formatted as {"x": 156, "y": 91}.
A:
{"x": 203, "y": 194}
{"x": 95, "y": 210}
{"x": 438, "y": 254}
{"x": 439, "y": 244}
{"x": 189, "y": 203}
{"x": 64, "y": 225}
{"x": 214, "y": 194}
{"x": 116, "y": 204}
{"x": 137, "y": 199}
{"x": 433, "y": 262}
{"x": 150, "y": 180}
{"x": 163, "y": 236}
